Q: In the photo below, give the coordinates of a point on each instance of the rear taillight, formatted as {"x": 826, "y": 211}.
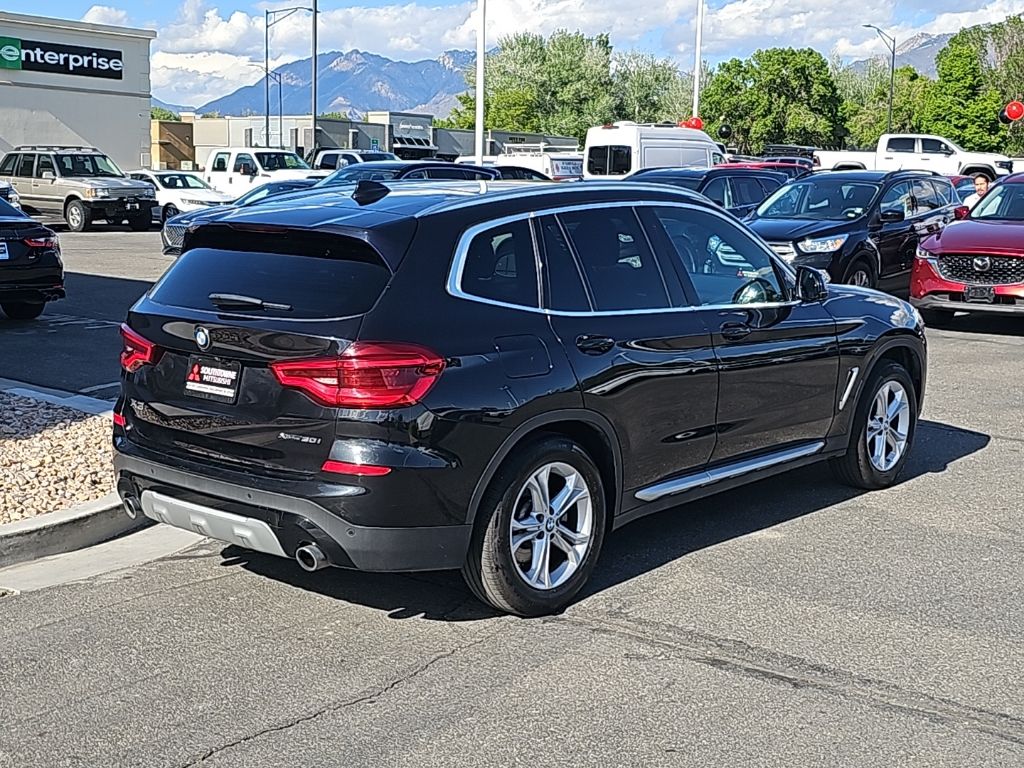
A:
{"x": 42, "y": 242}
{"x": 119, "y": 420}
{"x": 136, "y": 351}
{"x": 358, "y": 470}
{"x": 365, "y": 375}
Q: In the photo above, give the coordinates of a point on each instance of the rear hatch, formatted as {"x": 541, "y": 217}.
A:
{"x": 26, "y": 253}
{"x": 199, "y": 348}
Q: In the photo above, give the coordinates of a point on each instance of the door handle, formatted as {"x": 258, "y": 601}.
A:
{"x": 594, "y": 345}
{"x": 735, "y": 331}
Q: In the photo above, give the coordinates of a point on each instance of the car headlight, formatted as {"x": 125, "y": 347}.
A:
{"x": 14, "y": 199}
{"x": 926, "y": 255}
{"x": 97, "y": 192}
{"x": 823, "y": 244}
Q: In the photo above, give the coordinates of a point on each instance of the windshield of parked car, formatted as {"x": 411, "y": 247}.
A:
{"x": 87, "y": 165}
{"x": 358, "y": 172}
{"x": 820, "y": 199}
{"x": 265, "y": 190}
{"x": 182, "y": 181}
{"x": 280, "y": 161}
{"x": 1002, "y": 202}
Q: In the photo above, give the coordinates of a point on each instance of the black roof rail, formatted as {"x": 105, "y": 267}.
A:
{"x": 911, "y": 172}
{"x": 53, "y": 148}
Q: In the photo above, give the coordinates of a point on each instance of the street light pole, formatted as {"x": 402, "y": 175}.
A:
{"x": 697, "y": 59}
{"x": 891, "y": 44}
{"x": 270, "y": 18}
{"x": 481, "y": 44}
{"x": 312, "y": 149}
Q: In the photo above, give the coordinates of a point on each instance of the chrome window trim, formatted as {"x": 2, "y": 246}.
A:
{"x": 455, "y": 271}
{"x": 726, "y": 472}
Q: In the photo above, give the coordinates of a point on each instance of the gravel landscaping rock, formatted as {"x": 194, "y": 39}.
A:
{"x": 51, "y": 457}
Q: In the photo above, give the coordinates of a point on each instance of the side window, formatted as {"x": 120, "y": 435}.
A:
{"x": 900, "y": 197}
{"x": 329, "y": 161}
{"x": 243, "y": 160}
{"x": 563, "y": 283}
{"x": 943, "y": 192}
{"x": 45, "y": 163}
{"x": 769, "y": 185}
{"x": 8, "y": 165}
{"x": 746, "y": 190}
{"x": 924, "y": 193}
{"x": 416, "y": 175}
{"x": 900, "y": 145}
{"x": 501, "y": 265}
{"x": 725, "y": 265}
{"x": 27, "y": 165}
{"x": 220, "y": 162}
{"x": 934, "y": 147}
{"x": 718, "y": 192}
{"x": 618, "y": 264}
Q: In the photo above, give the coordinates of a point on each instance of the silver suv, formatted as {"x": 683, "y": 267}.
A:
{"x": 78, "y": 184}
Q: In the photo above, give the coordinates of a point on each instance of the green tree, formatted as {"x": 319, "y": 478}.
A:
{"x": 648, "y": 89}
{"x": 777, "y": 95}
{"x": 867, "y": 121}
{"x": 160, "y": 113}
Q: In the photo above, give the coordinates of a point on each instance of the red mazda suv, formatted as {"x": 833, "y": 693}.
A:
{"x": 977, "y": 264}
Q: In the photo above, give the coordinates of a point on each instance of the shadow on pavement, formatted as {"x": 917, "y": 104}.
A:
{"x": 632, "y": 551}
{"x": 996, "y": 325}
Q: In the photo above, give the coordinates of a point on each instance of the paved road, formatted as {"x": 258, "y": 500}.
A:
{"x": 74, "y": 345}
{"x": 792, "y": 623}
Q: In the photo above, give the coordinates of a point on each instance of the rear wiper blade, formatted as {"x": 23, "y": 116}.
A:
{"x": 236, "y": 301}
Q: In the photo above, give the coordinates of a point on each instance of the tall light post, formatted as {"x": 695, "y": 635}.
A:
{"x": 890, "y": 42}
{"x": 313, "y": 81}
{"x": 270, "y": 18}
{"x": 697, "y": 64}
{"x": 481, "y": 43}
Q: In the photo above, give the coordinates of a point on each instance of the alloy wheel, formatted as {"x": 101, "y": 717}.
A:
{"x": 552, "y": 526}
{"x": 74, "y": 217}
{"x": 888, "y": 426}
{"x": 861, "y": 278}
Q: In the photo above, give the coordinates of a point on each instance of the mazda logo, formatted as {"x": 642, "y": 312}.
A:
{"x": 982, "y": 264}
{"x": 202, "y": 338}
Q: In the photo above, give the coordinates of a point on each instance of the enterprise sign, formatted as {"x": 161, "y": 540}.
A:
{"x": 35, "y": 56}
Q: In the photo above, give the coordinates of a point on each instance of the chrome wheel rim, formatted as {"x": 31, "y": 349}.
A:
{"x": 860, "y": 278}
{"x": 552, "y": 526}
{"x": 888, "y": 426}
{"x": 74, "y": 217}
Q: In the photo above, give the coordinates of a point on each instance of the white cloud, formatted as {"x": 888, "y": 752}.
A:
{"x": 104, "y": 14}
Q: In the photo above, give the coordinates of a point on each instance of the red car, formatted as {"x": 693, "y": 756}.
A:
{"x": 976, "y": 264}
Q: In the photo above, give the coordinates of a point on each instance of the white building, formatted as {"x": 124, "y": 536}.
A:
{"x": 69, "y": 82}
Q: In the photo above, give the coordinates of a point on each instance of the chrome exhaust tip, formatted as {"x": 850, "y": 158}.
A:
{"x": 132, "y": 508}
{"x": 310, "y": 558}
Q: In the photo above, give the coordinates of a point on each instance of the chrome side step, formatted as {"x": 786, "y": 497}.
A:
{"x": 717, "y": 474}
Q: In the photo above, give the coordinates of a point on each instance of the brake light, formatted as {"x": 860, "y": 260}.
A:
{"x": 42, "y": 242}
{"x": 119, "y": 420}
{"x": 359, "y": 470}
{"x": 365, "y": 375}
{"x": 136, "y": 351}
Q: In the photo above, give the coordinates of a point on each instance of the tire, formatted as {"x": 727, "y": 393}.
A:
{"x": 499, "y": 578}
{"x": 169, "y": 211}
{"x": 860, "y": 467}
{"x": 21, "y": 310}
{"x": 140, "y": 223}
{"x": 861, "y": 267}
{"x": 936, "y": 318}
{"x": 77, "y": 216}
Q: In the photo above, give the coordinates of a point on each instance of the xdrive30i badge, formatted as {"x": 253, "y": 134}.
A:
{"x": 299, "y": 438}
{"x": 202, "y": 338}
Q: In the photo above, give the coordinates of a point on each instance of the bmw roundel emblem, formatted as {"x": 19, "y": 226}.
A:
{"x": 202, "y": 338}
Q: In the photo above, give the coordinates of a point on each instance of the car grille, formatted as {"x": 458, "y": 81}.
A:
{"x": 173, "y": 235}
{"x": 982, "y": 270}
{"x": 785, "y": 250}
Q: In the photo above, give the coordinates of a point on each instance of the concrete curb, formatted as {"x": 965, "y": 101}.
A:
{"x": 65, "y": 531}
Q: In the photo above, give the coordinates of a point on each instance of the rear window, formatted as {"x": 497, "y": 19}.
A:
{"x": 316, "y": 276}
{"x": 609, "y": 161}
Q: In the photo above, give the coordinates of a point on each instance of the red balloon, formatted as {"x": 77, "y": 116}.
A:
{"x": 698, "y": 124}
{"x": 1015, "y": 110}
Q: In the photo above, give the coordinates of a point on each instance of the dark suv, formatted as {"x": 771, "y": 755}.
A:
{"x": 493, "y": 377}
{"x": 738, "y": 190}
{"x": 863, "y": 227}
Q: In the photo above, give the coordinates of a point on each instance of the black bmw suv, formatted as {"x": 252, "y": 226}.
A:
{"x": 493, "y": 377}
{"x": 862, "y": 227}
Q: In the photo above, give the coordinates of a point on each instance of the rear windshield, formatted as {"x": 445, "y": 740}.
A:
{"x": 609, "y": 161}
{"x": 313, "y": 277}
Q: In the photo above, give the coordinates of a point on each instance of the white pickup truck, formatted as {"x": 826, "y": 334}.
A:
{"x": 917, "y": 152}
{"x": 235, "y": 171}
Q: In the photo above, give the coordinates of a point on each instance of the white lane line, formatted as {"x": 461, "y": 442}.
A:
{"x": 98, "y": 387}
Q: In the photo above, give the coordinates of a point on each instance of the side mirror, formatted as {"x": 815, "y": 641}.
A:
{"x": 47, "y": 175}
{"x": 811, "y": 284}
{"x": 961, "y": 212}
{"x": 892, "y": 216}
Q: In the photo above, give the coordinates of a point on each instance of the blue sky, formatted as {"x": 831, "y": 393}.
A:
{"x": 207, "y": 48}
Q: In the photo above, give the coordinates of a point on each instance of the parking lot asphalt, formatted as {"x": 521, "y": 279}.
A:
{"x": 791, "y": 623}
{"x": 74, "y": 345}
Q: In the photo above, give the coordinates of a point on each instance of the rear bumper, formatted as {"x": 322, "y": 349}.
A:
{"x": 33, "y": 284}
{"x": 120, "y": 209}
{"x": 278, "y": 522}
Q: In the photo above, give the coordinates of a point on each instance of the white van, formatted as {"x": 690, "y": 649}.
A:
{"x": 619, "y": 149}
{"x": 234, "y": 171}
{"x": 558, "y": 163}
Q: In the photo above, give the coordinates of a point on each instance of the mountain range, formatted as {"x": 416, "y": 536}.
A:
{"x": 918, "y": 52}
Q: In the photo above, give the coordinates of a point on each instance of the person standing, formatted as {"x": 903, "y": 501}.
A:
{"x": 980, "y": 190}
